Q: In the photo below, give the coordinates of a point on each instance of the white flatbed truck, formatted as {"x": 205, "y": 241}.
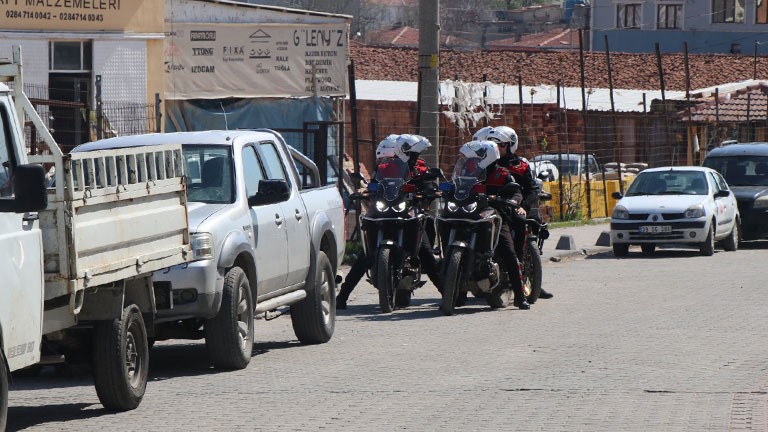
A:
{"x": 77, "y": 259}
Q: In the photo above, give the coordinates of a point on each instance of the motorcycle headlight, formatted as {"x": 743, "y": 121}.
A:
{"x": 620, "y": 212}
{"x": 695, "y": 211}
{"x": 381, "y": 206}
{"x": 202, "y": 246}
{"x": 761, "y": 202}
{"x": 451, "y": 206}
{"x": 399, "y": 207}
{"x": 471, "y": 207}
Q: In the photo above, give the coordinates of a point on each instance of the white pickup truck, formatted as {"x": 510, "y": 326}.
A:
{"x": 265, "y": 234}
{"x": 77, "y": 260}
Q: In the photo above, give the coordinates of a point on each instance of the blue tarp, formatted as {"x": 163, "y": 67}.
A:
{"x": 213, "y": 114}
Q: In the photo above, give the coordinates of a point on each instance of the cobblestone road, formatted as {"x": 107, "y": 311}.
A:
{"x": 671, "y": 342}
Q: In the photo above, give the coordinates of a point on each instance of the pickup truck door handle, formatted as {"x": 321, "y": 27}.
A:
{"x": 278, "y": 219}
{"x": 298, "y": 215}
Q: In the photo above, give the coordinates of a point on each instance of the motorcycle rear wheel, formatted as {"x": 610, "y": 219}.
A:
{"x": 452, "y": 282}
{"x": 531, "y": 271}
{"x": 385, "y": 280}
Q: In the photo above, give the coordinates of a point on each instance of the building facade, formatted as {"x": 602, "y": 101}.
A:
{"x": 707, "y": 26}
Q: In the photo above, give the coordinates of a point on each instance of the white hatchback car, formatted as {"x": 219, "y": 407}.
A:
{"x": 675, "y": 205}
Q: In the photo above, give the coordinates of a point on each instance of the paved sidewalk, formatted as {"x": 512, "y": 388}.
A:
{"x": 584, "y": 238}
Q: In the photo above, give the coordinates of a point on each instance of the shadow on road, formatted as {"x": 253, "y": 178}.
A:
{"x": 428, "y": 308}
{"x": 20, "y": 418}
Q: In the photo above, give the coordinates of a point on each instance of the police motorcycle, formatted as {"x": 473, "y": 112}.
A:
{"x": 536, "y": 232}
{"x": 392, "y": 230}
{"x": 468, "y": 229}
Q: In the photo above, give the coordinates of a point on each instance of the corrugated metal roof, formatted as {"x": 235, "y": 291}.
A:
{"x": 570, "y": 97}
{"x": 276, "y": 8}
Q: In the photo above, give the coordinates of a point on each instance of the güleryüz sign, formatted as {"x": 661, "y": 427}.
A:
{"x": 211, "y": 61}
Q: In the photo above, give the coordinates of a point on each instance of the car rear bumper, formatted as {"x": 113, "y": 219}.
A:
{"x": 679, "y": 232}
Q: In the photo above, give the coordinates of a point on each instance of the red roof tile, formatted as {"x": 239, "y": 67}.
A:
{"x": 630, "y": 71}
{"x": 408, "y": 37}
{"x": 552, "y": 39}
{"x": 747, "y": 103}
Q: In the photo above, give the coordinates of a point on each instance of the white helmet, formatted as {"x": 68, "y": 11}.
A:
{"x": 386, "y": 148}
{"x": 407, "y": 144}
{"x": 486, "y": 151}
{"x": 505, "y": 136}
{"x": 482, "y": 134}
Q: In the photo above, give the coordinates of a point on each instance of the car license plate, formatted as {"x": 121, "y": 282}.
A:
{"x": 655, "y": 229}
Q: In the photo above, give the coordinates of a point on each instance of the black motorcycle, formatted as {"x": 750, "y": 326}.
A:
{"x": 468, "y": 228}
{"x": 392, "y": 230}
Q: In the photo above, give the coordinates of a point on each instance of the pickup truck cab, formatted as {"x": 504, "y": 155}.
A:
{"x": 264, "y": 235}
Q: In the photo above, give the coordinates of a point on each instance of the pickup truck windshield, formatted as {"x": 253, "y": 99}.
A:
{"x": 209, "y": 174}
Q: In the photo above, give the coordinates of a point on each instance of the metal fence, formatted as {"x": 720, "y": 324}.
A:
{"x": 622, "y": 142}
{"x": 74, "y": 123}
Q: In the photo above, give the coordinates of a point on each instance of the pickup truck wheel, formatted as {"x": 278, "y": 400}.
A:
{"x": 3, "y": 392}
{"x": 314, "y": 318}
{"x": 229, "y": 335}
{"x": 121, "y": 360}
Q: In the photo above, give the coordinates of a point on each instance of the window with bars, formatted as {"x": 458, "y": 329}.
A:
{"x": 628, "y": 15}
{"x": 728, "y": 11}
{"x": 761, "y": 12}
{"x": 669, "y": 16}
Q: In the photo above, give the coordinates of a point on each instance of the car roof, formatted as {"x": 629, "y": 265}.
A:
{"x": 556, "y": 156}
{"x": 752, "y": 149}
{"x": 215, "y": 137}
{"x": 677, "y": 169}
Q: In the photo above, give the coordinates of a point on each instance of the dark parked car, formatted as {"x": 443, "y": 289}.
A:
{"x": 745, "y": 168}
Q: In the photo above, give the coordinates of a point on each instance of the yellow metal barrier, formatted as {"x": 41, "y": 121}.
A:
{"x": 574, "y": 202}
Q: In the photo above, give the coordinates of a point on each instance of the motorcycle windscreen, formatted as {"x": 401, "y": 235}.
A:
{"x": 391, "y": 175}
{"x": 466, "y": 174}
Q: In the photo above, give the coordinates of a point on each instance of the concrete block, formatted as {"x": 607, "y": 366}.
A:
{"x": 566, "y": 242}
{"x": 604, "y": 239}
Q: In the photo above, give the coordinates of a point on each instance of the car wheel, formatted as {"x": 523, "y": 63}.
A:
{"x": 121, "y": 360}
{"x": 648, "y": 248}
{"x": 708, "y": 247}
{"x": 314, "y": 318}
{"x": 229, "y": 335}
{"x": 620, "y": 249}
{"x": 731, "y": 243}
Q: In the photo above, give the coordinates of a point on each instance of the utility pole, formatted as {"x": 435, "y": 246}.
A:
{"x": 429, "y": 73}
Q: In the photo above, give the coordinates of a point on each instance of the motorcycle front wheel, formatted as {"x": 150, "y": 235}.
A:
{"x": 385, "y": 280}
{"x": 452, "y": 282}
{"x": 531, "y": 271}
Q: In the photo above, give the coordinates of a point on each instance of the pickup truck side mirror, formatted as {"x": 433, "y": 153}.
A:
{"x": 30, "y": 190}
{"x": 617, "y": 195}
{"x": 722, "y": 193}
{"x": 270, "y": 192}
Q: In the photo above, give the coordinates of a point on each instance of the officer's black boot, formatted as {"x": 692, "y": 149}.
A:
{"x": 545, "y": 294}
{"x": 343, "y": 296}
{"x": 520, "y": 300}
